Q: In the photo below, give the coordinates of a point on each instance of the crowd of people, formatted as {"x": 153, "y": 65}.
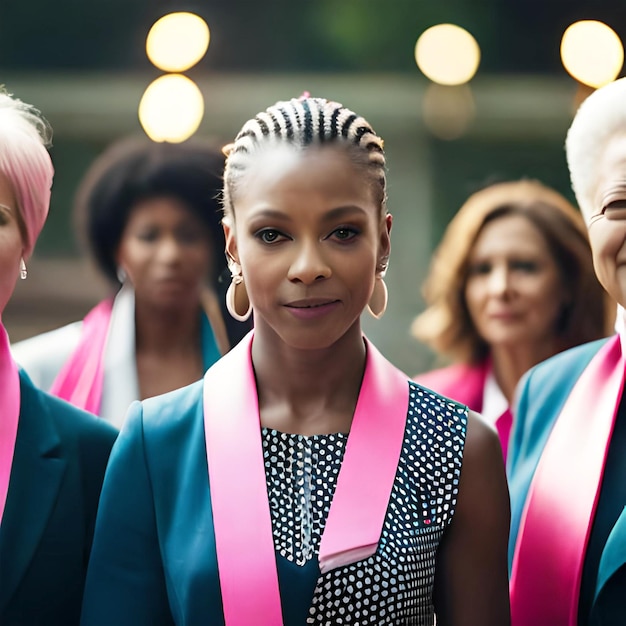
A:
{"x": 218, "y": 442}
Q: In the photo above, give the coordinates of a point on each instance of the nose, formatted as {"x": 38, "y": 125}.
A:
{"x": 309, "y": 264}
{"x": 499, "y": 281}
{"x": 169, "y": 250}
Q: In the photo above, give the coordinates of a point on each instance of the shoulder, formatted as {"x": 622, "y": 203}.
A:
{"x": 544, "y": 388}
{"x": 483, "y": 480}
{"x": 57, "y": 338}
{"x": 163, "y": 439}
{"x": 463, "y": 382}
{"x": 74, "y": 426}
{"x": 169, "y": 422}
{"x": 564, "y": 366}
{"x": 430, "y": 412}
{"x": 42, "y": 356}
{"x": 482, "y": 439}
{"x": 431, "y": 377}
{"x": 548, "y": 384}
{"x": 173, "y": 408}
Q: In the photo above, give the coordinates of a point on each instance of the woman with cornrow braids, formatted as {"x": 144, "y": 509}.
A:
{"x": 304, "y": 480}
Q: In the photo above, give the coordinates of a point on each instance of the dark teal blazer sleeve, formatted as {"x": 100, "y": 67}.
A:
{"x": 58, "y": 466}
{"x": 153, "y": 561}
{"x": 125, "y": 583}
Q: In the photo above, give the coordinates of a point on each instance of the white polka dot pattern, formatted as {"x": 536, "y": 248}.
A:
{"x": 395, "y": 585}
{"x": 301, "y": 474}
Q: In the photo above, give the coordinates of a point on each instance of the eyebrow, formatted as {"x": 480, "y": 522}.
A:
{"x": 333, "y": 214}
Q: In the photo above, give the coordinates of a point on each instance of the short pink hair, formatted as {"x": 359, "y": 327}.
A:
{"x": 24, "y": 160}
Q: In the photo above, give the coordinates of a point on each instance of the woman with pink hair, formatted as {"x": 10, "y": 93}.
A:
{"x": 52, "y": 455}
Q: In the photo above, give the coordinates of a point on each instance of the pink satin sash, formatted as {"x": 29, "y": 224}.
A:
{"x": 561, "y": 502}
{"x": 81, "y": 377}
{"x": 9, "y": 415}
{"x": 503, "y": 425}
{"x": 241, "y": 512}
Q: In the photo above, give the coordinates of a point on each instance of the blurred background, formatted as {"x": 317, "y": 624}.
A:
{"x": 84, "y": 64}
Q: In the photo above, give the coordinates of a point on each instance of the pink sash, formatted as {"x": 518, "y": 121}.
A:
{"x": 81, "y": 377}
{"x": 562, "y": 498}
{"x": 241, "y": 513}
{"x": 503, "y": 425}
{"x": 9, "y": 415}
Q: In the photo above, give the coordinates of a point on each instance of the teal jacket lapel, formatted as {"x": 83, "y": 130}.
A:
{"x": 612, "y": 566}
{"x": 36, "y": 474}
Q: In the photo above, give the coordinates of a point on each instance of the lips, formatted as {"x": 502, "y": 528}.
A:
{"x": 503, "y": 315}
{"x": 311, "y": 303}
{"x": 311, "y": 309}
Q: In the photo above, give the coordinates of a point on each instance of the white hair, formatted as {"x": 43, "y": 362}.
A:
{"x": 600, "y": 118}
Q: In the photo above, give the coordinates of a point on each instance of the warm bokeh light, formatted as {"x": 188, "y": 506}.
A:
{"x": 592, "y": 53}
{"x": 447, "y": 54}
{"x": 448, "y": 110}
{"x": 177, "y": 41}
{"x": 171, "y": 108}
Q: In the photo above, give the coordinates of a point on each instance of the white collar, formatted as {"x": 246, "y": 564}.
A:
{"x": 620, "y": 326}
{"x": 494, "y": 401}
{"x": 120, "y": 384}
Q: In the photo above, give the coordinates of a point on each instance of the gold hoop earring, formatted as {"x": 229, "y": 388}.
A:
{"x": 378, "y": 300}
{"x": 236, "y": 295}
{"x": 23, "y": 270}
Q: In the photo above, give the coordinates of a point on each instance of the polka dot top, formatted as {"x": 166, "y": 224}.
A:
{"x": 394, "y": 585}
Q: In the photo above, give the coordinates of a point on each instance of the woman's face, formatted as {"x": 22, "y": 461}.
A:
{"x": 309, "y": 237}
{"x": 165, "y": 252}
{"x": 513, "y": 292}
{"x": 607, "y": 227}
{"x": 11, "y": 242}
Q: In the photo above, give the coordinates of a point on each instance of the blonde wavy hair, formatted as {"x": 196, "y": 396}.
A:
{"x": 446, "y": 326}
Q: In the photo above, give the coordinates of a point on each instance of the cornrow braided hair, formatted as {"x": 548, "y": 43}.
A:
{"x": 303, "y": 122}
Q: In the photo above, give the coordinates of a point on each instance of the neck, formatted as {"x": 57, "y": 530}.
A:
{"x": 308, "y": 391}
{"x": 166, "y": 331}
{"x": 511, "y": 363}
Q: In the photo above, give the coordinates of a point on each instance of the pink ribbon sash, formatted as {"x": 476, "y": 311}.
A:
{"x": 503, "y": 425}
{"x": 241, "y": 512}
{"x": 562, "y": 498}
{"x": 81, "y": 377}
{"x": 9, "y": 415}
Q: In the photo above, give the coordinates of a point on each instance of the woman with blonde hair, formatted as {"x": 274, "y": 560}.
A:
{"x": 510, "y": 285}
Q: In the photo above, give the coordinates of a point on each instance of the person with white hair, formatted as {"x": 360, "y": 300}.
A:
{"x": 52, "y": 455}
{"x": 567, "y": 461}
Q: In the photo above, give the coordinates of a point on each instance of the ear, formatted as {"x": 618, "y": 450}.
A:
{"x": 384, "y": 244}
{"x": 230, "y": 235}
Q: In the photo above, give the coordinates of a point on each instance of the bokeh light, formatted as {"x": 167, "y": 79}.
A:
{"x": 448, "y": 110}
{"x": 447, "y": 54}
{"x": 171, "y": 108}
{"x": 592, "y": 52}
{"x": 177, "y": 41}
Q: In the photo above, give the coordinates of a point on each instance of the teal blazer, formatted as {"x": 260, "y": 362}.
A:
{"x": 60, "y": 457}
{"x": 542, "y": 394}
{"x": 153, "y": 561}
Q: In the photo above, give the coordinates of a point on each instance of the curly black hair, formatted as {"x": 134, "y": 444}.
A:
{"x": 136, "y": 169}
